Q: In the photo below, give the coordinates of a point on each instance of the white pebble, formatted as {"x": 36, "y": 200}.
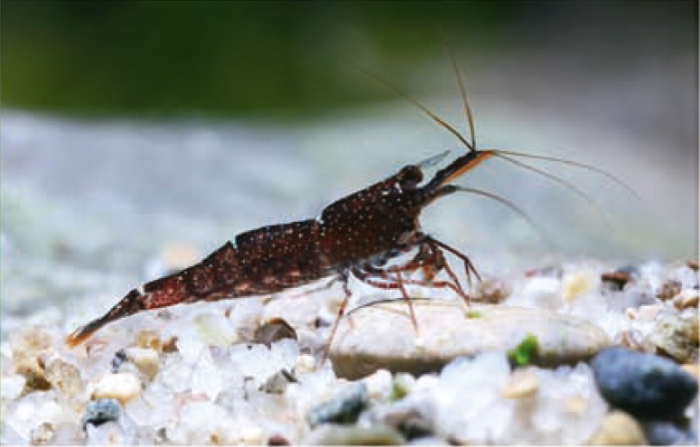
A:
{"x": 175, "y": 375}
{"x": 539, "y": 292}
{"x": 206, "y": 378}
{"x": 470, "y": 407}
{"x": 189, "y": 346}
{"x": 215, "y": 329}
{"x": 120, "y": 386}
{"x": 203, "y": 423}
{"x": 109, "y": 433}
{"x": 305, "y": 363}
{"x": 251, "y": 434}
{"x": 11, "y": 386}
{"x": 378, "y": 384}
{"x": 33, "y": 410}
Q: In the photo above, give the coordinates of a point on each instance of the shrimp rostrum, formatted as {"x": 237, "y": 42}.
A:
{"x": 355, "y": 236}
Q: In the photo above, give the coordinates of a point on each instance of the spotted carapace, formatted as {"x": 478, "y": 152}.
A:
{"x": 357, "y": 235}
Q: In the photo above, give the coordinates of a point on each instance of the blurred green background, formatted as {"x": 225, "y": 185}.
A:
{"x": 275, "y": 59}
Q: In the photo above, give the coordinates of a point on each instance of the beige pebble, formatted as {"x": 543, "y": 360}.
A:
{"x": 686, "y": 299}
{"x": 522, "y": 383}
{"x": 336, "y": 434}
{"x": 29, "y": 349}
{"x": 577, "y": 283}
{"x": 145, "y": 359}
{"x": 43, "y": 434}
{"x": 63, "y": 376}
{"x": 492, "y": 290}
{"x": 121, "y": 386}
{"x": 619, "y": 428}
{"x": 382, "y": 336}
{"x": 677, "y": 335}
{"x": 33, "y": 373}
{"x": 148, "y": 338}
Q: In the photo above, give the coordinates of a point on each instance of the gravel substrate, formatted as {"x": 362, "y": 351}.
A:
{"x": 201, "y": 374}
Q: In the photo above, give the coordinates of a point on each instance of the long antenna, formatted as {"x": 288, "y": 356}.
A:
{"x": 463, "y": 92}
{"x": 425, "y": 110}
{"x": 578, "y": 164}
{"x": 513, "y": 207}
{"x": 561, "y": 181}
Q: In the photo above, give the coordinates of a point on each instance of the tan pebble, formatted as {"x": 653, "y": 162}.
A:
{"x": 149, "y": 339}
{"x": 492, "y": 290}
{"x": 273, "y": 330}
{"x": 619, "y": 428}
{"x": 33, "y": 373}
{"x": 28, "y": 351}
{"x": 522, "y": 383}
{"x": 669, "y": 289}
{"x": 146, "y": 360}
{"x": 121, "y": 386}
{"x": 578, "y": 283}
{"x": 677, "y": 336}
{"x": 63, "y": 376}
{"x": 692, "y": 369}
{"x": 43, "y": 434}
{"x": 686, "y": 299}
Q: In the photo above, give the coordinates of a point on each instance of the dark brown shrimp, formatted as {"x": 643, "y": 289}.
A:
{"x": 354, "y": 236}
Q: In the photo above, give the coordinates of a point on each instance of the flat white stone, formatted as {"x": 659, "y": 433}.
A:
{"x": 382, "y": 336}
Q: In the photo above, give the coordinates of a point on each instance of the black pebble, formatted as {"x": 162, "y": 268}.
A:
{"x": 670, "y": 433}
{"x": 118, "y": 360}
{"x": 644, "y": 385}
{"x": 344, "y": 408}
{"x": 100, "y": 411}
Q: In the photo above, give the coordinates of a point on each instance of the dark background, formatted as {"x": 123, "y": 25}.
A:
{"x": 297, "y": 59}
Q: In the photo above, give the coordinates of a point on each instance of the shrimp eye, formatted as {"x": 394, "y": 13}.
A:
{"x": 410, "y": 176}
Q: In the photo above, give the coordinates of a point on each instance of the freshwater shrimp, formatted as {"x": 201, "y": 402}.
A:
{"x": 355, "y": 236}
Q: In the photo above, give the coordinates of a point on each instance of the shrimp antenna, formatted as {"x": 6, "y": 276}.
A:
{"x": 425, "y": 110}
{"x": 513, "y": 207}
{"x": 463, "y": 93}
{"x": 559, "y": 180}
{"x": 577, "y": 164}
